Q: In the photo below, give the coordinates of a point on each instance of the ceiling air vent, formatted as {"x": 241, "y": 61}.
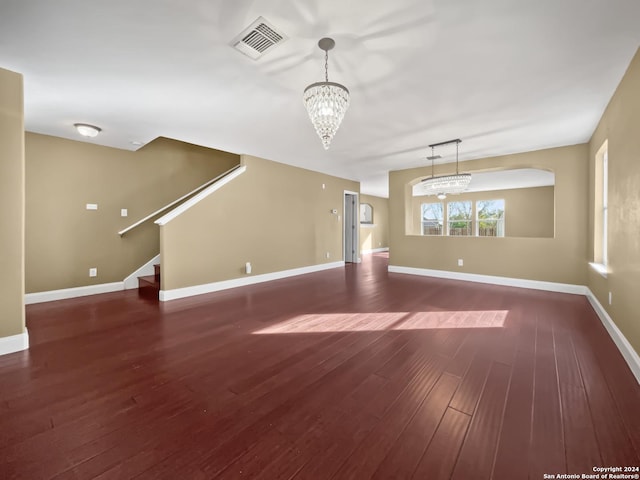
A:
{"x": 258, "y": 39}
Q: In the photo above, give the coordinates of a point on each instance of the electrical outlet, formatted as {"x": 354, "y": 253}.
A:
{"x": 327, "y": 255}
{"x": 93, "y": 272}
{"x": 460, "y": 262}
{"x": 610, "y": 298}
{"x": 123, "y": 212}
{"x": 92, "y": 206}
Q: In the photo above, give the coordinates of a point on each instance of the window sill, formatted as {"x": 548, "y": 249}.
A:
{"x": 600, "y": 268}
{"x": 367, "y": 224}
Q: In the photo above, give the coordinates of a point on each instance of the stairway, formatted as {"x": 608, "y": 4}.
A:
{"x": 149, "y": 286}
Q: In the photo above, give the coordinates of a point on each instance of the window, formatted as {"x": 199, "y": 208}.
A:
{"x": 459, "y": 218}
{"x": 490, "y": 218}
{"x": 605, "y": 206}
{"x": 432, "y": 218}
{"x": 601, "y": 210}
{"x": 366, "y": 213}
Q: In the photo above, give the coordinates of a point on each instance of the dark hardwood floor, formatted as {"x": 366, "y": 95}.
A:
{"x": 346, "y": 373}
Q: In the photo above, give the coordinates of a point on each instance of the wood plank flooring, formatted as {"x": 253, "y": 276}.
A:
{"x": 350, "y": 373}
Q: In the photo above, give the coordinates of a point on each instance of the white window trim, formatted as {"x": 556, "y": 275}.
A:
{"x": 600, "y": 268}
{"x": 605, "y": 207}
{"x": 444, "y": 211}
{"x": 477, "y": 229}
{"x": 601, "y": 259}
{"x": 470, "y": 220}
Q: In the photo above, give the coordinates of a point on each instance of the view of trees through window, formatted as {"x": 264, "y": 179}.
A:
{"x": 490, "y": 215}
{"x": 489, "y": 218}
{"x": 460, "y": 218}
{"x": 432, "y": 217}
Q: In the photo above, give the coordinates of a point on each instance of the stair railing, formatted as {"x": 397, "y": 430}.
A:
{"x": 168, "y": 206}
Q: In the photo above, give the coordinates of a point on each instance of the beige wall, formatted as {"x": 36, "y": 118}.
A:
{"x": 64, "y": 240}
{"x": 528, "y": 211}
{"x": 559, "y": 259}
{"x": 276, "y": 216}
{"x": 620, "y": 125}
{"x": 12, "y": 199}
{"x": 376, "y": 235}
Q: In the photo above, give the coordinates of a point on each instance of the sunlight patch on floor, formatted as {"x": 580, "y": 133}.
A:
{"x": 371, "y": 322}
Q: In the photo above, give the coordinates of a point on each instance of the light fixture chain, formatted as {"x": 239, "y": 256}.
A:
{"x": 326, "y": 65}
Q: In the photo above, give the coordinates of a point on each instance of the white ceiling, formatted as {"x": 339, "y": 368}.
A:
{"x": 505, "y": 76}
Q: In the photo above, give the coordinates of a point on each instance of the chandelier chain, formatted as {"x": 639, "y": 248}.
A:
{"x": 326, "y": 65}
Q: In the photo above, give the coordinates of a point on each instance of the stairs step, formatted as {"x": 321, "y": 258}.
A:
{"x": 149, "y": 280}
{"x": 149, "y": 286}
{"x": 156, "y": 269}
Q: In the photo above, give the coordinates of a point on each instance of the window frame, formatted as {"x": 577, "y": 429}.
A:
{"x": 497, "y": 219}
{"x": 601, "y": 211}
{"x": 605, "y": 208}
{"x": 470, "y": 228}
{"x": 442, "y": 229}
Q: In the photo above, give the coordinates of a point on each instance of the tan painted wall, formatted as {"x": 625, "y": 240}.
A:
{"x": 12, "y": 198}
{"x": 559, "y": 259}
{"x": 275, "y": 216}
{"x": 376, "y": 235}
{"x": 64, "y": 240}
{"x": 620, "y": 125}
{"x": 528, "y": 211}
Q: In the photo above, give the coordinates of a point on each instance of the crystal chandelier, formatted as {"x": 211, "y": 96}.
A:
{"x": 326, "y": 101}
{"x": 445, "y": 184}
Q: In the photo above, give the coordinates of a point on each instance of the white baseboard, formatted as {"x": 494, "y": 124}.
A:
{"x": 65, "y": 293}
{"x": 147, "y": 269}
{"x": 375, "y": 250}
{"x": 627, "y": 351}
{"x": 506, "y": 281}
{"x": 14, "y": 343}
{"x": 166, "y": 295}
{"x": 128, "y": 283}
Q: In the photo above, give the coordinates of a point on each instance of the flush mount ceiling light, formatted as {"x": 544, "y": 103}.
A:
{"x": 445, "y": 184}
{"x": 87, "y": 130}
{"x": 326, "y": 101}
